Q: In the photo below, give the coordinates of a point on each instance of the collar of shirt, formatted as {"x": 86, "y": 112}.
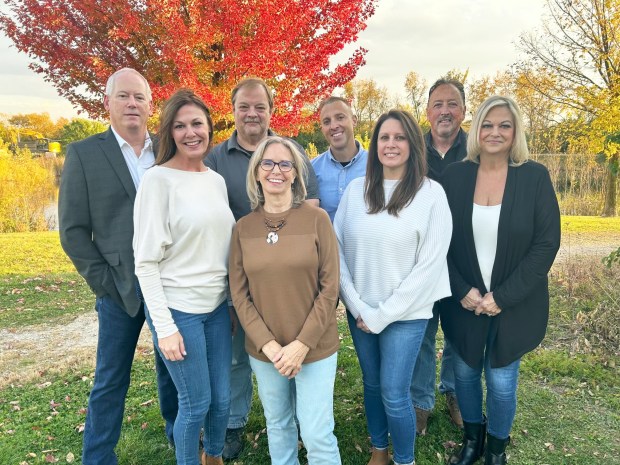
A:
{"x": 148, "y": 144}
{"x": 359, "y": 150}
{"x": 233, "y": 143}
{"x": 461, "y": 137}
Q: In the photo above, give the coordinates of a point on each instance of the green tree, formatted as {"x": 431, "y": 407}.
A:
{"x": 78, "y": 129}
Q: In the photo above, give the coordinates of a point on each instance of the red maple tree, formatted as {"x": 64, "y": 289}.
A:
{"x": 206, "y": 45}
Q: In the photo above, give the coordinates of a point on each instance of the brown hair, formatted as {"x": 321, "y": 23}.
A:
{"x": 253, "y": 82}
{"x": 414, "y": 173}
{"x": 167, "y": 147}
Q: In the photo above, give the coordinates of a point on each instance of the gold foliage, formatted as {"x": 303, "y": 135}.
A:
{"x": 26, "y": 188}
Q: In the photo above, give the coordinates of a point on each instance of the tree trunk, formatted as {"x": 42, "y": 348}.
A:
{"x": 609, "y": 207}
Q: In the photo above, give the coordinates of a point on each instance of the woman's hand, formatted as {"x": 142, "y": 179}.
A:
{"x": 472, "y": 300}
{"x": 291, "y": 357}
{"x": 172, "y": 347}
{"x": 488, "y": 306}
{"x": 361, "y": 325}
{"x": 272, "y": 351}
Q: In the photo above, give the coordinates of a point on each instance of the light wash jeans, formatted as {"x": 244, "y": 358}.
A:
{"x": 387, "y": 360}
{"x": 315, "y": 411}
{"x": 501, "y": 393}
{"x": 424, "y": 374}
{"x": 240, "y": 382}
{"x": 202, "y": 380}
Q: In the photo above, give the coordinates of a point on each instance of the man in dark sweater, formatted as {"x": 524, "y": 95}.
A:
{"x": 446, "y": 143}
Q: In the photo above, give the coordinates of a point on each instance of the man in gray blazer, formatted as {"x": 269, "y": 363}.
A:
{"x": 97, "y": 190}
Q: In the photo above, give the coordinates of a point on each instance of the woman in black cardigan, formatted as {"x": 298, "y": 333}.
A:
{"x": 505, "y": 238}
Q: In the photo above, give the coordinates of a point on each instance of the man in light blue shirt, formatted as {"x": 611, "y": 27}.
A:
{"x": 345, "y": 159}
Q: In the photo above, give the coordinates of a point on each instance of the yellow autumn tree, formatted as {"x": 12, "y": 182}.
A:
{"x": 578, "y": 48}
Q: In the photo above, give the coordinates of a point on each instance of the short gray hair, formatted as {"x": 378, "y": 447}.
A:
{"x": 109, "y": 87}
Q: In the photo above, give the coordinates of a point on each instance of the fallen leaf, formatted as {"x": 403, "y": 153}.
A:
{"x": 70, "y": 457}
{"x": 49, "y": 458}
{"x": 358, "y": 448}
{"x": 147, "y": 403}
{"x": 144, "y": 425}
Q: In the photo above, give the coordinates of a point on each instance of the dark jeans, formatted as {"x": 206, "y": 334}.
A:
{"x": 116, "y": 345}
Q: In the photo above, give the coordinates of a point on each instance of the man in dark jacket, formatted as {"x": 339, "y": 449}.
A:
{"x": 446, "y": 143}
{"x": 95, "y": 207}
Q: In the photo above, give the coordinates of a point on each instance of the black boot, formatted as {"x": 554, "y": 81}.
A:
{"x": 496, "y": 450}
{"x": 473, "y": 444}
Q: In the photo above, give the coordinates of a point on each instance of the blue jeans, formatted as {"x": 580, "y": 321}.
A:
{"x": 501, "y": 393}
{"x": 315, "y": 411}
{"x": 387, "y": 360}
{"x": 423, "y": 382}
{"x": 116, "y": 345}
{"x": 240, "y": 382}
{"x": 202, "y": 379}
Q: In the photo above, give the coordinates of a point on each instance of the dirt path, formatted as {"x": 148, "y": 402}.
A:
{"x": 28, "y": 355}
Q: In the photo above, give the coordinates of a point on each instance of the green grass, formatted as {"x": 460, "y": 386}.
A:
{"x": 568, "y": 401}
{"x": 568, "y": 413}
{"x": 32, "y": 254}
{"x": 591, "y": 225}
{"x": 44, "y": 299}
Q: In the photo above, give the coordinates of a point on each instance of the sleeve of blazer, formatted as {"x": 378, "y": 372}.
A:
{"x": 545, "y": 244}
{"x": 76, "y": 233}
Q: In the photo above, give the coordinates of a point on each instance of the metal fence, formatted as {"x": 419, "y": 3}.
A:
{"x": 579, "y": 182}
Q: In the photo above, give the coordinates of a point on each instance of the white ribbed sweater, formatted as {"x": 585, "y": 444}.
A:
{"x": 393, "y": 268}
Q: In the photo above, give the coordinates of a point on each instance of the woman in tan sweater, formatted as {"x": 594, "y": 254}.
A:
{"x": 284, "y": 284}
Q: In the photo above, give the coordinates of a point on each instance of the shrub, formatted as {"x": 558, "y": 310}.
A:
{"x": 27, "y": 188}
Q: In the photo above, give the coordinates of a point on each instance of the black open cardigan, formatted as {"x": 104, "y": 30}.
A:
{"x": 528, "y": 239}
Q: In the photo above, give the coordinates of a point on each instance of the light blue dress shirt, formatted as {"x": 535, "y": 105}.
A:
{"x": 334, "y": 178}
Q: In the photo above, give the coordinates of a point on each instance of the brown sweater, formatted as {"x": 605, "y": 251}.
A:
{"x": 287, "y": 290}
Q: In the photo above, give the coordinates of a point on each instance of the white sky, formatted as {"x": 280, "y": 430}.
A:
{"x": 403, "y": 35}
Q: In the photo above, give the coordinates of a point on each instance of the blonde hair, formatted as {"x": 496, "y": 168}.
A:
{"x": 519, "y": 152}
{"x": 255, "y": 190}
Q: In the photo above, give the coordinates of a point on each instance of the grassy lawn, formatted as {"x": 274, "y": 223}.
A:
{"x": 569, "y": 393}
{"x": 591, "y": 225}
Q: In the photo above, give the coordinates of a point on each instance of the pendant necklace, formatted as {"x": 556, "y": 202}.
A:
{"x": 273, "y": 226}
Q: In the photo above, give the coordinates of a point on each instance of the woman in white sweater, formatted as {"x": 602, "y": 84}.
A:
{"x": 393, "y": 229}
{"x": 183, "y": 227}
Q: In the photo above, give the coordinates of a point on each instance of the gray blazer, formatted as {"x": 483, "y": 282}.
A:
{"x": 95, "y": 212}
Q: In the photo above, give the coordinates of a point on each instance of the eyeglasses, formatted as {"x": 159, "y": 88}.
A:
{"x": 284, "y": 165}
